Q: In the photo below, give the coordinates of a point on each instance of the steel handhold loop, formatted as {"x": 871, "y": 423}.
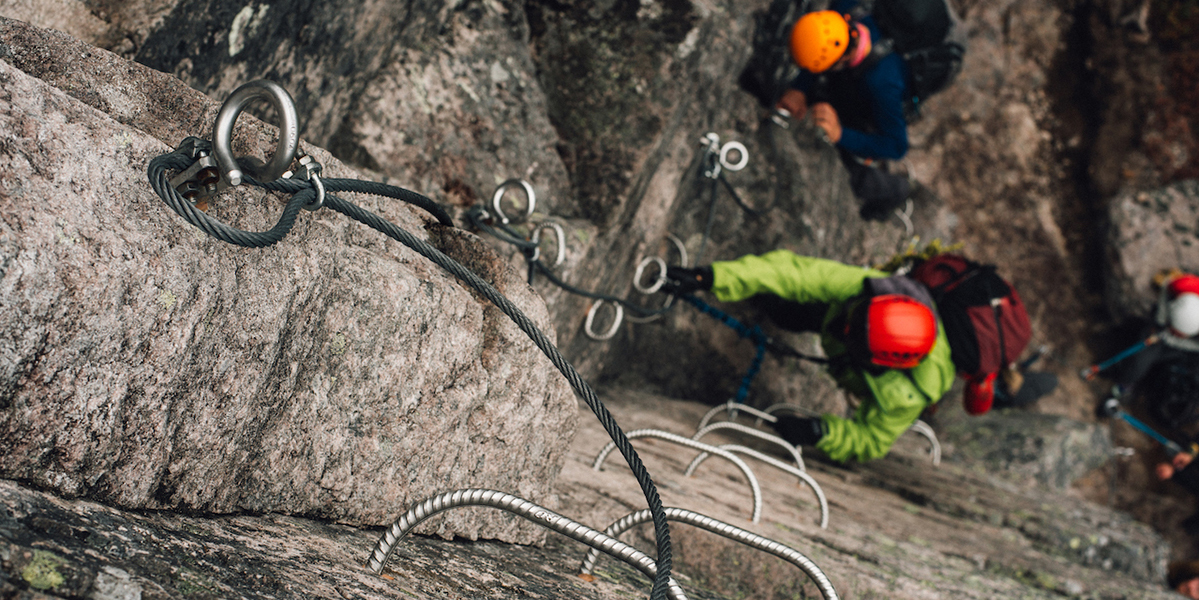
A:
{"x": 726, "y": 530}
{"x": 289, "y": 136}
{"x": 560, "y": 257}
{"x": 659, "y": 281}
{"x": 589, "y": 324}
{"x": 498, "y": 196}
{"x": 743, "y": 156}
{"x": 522, "y": 508}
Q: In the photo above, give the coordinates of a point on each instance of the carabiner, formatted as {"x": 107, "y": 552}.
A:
{"x": 222, "y": 132}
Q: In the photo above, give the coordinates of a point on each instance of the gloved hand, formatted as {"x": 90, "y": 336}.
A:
{"x": 681, "y": 280}
{"x": 826, "y": 119}
{"x": 794, "y": 102}
{"x": 799, "y": 431}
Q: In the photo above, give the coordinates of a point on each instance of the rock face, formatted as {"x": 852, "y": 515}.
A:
{"x": 150, "y": 366}
{"x": 898, "y": 528}
{"x": 1151, "y": 230}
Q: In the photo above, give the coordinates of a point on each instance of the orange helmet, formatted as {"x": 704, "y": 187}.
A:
{"x": 819, "y": 39}
{"x": 899, "y": 330}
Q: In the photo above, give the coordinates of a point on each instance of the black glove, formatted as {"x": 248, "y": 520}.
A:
{"x": 799, "y": 431}
{"x": 680, "y": 280}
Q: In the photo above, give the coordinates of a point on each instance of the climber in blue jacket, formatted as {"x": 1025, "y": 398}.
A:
{"x": 856, "y": 98}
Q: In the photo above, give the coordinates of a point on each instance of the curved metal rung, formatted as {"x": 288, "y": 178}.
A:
{"x": 560, "y": 257}
{"x": 599, "y": 542}
{"x": 774, "y": 462}
{"x": 498, "y": 196}
{"x": 731, "y": 147}
{"x": 905, "y": 217}
{"x": 658, "y": 282}
{"x": 733, "y": 407}
{"x": 589, "y": 324}
{"x": 289, "y": 131}
{"x": 750, "y": 431}
{"x": 731, "y": 532}
{"x": 690, "y": 443}
{"x": 926, "y": 430}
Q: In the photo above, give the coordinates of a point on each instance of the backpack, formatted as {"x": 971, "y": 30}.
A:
{"x": 927, "y": 35}
{"x": 984, "y": 318}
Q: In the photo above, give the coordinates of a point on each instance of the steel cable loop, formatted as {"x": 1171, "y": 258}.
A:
{"x": 633, "y": 308}
{"x": 304, "y": 194}
{"x": 725, "y": 530}
{"x": 750, "y": 431}
{"x": 774, "y": 462}
{"x": 157, "y": 174}
{"x": 598, "y": 542}
{"x": 733, "y": 407}
{"x": 755, "y": 489}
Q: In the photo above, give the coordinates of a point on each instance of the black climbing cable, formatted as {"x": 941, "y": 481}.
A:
{"x": 305, "y": 194}
{"x": 477, "y": 218}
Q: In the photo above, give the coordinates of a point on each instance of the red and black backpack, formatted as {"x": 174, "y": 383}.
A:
{"x": 984, "y": 318}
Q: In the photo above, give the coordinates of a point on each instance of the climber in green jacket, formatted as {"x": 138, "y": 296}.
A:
{"x": 881, "y": 335}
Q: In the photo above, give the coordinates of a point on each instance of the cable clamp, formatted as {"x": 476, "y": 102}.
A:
{"x": 202, "y": 180}
{"x": 308, "y": 169}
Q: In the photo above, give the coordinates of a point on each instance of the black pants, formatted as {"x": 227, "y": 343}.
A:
{"x": 880, "y": 192}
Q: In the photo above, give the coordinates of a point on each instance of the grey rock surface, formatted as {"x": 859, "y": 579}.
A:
{"x": 1150, "y": 231}
{"x": 898, "y": 528}
{"x": 145, "y": 364}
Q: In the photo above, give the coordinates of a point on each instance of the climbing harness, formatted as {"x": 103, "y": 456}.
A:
{"x": 736, "y": 534}
{"x": 694, "y": 445}
{"x": 316, "y": 192}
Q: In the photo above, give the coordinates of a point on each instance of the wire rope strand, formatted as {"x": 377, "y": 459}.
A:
{"x": 304, "y": 194}
{"x": 572, "y": 376}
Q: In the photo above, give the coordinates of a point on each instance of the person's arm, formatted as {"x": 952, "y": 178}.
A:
{"x": 897, "y": 403}
{"x": 885, "y": 83}
{"x": 789, "y": 276}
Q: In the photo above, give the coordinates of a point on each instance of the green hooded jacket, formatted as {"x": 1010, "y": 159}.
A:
{"x": 891, "y": 400}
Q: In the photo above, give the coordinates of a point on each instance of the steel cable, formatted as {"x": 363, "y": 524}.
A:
{"x": 305, "y": 194}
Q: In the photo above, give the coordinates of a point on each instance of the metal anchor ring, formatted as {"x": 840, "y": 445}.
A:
{"x": 560, "y": 257}
{"x": 499, "y": 195}
{"x": 588, "y": 326}
{"x": 658, "y": 282}
{"x": 289, "y": 136}
{"x": 730, "y": 147}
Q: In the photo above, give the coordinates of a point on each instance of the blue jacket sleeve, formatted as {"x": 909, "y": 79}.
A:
{"x": 884, "y": 83}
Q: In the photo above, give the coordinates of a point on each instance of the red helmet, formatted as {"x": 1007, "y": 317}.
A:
{"x": 900, "y": 331}
{"x": 980, "y": 393}
{"x": 1183, "y": 284}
